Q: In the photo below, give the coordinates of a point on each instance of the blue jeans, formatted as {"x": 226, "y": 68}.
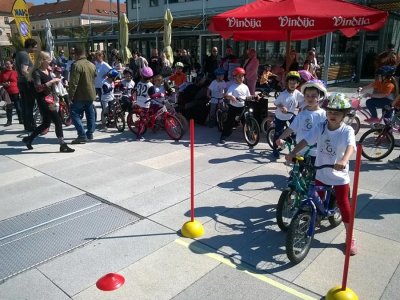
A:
{"x": 374, "y": 103}
{"x": 280, "y": 126}
{"x": 77, "y": 108}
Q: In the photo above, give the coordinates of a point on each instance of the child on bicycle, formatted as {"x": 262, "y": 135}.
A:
{"x": 236, "y": 94}
{"x": 142, "y": 92}
{"x": 215, "y": 93}
{"x": 313, "y": 91}
{"x": 384, "y": 92}
{"x": 107, "y": 94}
{"x": 127, "y": 86}
{"x": 335, "y": 145}
{"x": 286, "y": 104}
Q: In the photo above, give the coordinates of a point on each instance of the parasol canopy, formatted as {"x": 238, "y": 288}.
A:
{"x": 167, "y": 35}
{"x": 124, "y": 39}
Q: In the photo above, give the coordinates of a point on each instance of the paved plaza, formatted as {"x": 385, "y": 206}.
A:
{"x": 120, "y": 203}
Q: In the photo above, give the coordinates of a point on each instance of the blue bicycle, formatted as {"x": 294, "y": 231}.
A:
{"x": 311, "y": 211}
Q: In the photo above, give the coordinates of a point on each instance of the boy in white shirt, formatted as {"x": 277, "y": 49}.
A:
{"x": 215, "y": 93}
{"x": 128, "y": 86}
{"x": 286, "y": 104}
{"x": 312, "y": 114}
{"x": 336, "y": 143}
{"x": 107, "y": 95}
{"x": 237, "y": 93}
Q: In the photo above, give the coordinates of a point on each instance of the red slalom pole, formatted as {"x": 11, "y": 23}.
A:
{"x": 192, "y": 170}
{"x": 353, "y": 215}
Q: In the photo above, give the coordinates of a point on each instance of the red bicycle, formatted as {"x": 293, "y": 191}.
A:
{"x": 155, "y": 117}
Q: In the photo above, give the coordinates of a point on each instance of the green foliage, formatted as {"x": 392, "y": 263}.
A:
{"x": 16, "y": 42}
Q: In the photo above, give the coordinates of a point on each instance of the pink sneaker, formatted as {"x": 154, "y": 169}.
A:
{"x": 353, "y": 247}
{"x": 372, "y": 120}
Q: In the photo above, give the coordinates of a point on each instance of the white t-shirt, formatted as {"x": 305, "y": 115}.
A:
{"x": 101, "y": 71}
{"x": 217, "y": 89}
{"x": 304, "y": 122}
{"x": 331, "y": 146}
{"x": 142, "y": 89}
{"x": 240, "y": 92}
{"x": 128, "y": 85}
{"x": 107, "y": 96}
{"x": 290, "y": 101}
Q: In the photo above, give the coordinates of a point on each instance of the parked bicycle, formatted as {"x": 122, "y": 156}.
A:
{"x": 379, "y": 142}
{"x": 157, "y": 116}
{"x": 310, "y": 212}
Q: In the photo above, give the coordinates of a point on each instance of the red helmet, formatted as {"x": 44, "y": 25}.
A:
{"x": 238, "y": 71}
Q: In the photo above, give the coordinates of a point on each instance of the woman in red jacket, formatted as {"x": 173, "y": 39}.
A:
{"x": 8, "y": 78}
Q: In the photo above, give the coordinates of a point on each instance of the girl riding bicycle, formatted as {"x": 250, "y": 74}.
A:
{"x": 335, "y": 145}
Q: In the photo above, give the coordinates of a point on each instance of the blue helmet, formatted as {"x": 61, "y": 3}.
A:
{"x": 219, "y": 72}
{"x": 114, "y": 74}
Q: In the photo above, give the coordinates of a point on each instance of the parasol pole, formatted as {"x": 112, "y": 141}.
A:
{"x": 288, "y": 41}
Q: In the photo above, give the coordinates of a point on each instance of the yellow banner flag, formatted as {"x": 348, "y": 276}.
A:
{"x": 21, "y": 15}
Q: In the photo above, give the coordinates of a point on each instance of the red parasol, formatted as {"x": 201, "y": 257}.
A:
{"x": 276, "y": 20}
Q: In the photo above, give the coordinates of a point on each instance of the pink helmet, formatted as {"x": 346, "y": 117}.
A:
{"x": 306, "y": 75}
{"x": 147, "y": 72}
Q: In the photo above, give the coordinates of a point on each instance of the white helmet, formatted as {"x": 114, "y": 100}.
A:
{"x": 338, "y": 101}
{"x": 318, "y": 84}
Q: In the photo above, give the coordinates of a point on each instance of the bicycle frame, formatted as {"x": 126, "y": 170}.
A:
{"x": 317, "y": 206}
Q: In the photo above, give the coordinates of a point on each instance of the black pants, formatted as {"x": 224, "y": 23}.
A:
{"x": 48, "y": 117}
{"x": 17, "y": 104}
{"x": 230, "y": 121}
{"x": 27, "y": 93}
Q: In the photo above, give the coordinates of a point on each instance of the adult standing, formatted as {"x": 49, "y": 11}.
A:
{"x": 44, "y": 86}
{"x": 155, "y": 62}
{"x": 9, "y": 80}
{"x": 251, "y": 65}
{"x": 23, "y": 66}
{"x": 82, "y": 93}
{"x": 137, "y": 63}
{"x": 212, "y": 63}
{"x": 102, "y": 69}
{"x": 186, "y": 59}
{"x": 229, "y": 63}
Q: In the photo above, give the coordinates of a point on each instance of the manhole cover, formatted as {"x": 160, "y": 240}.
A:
{"x": 37, "y": 236}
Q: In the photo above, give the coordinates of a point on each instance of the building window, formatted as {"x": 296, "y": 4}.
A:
{"x": 153, "y": 3}
{"x": 135, "y": 4}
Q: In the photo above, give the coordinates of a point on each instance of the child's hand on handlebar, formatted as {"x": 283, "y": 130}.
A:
{"x": 284, "y": 109}
{"x": 340, "y": 165}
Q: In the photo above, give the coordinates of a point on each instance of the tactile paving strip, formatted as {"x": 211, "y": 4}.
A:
{"x": 32, "y": 238}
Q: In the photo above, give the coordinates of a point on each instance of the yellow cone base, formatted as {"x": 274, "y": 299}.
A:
{"x": 192, "y": 229}
{"x": 336, "y": 293}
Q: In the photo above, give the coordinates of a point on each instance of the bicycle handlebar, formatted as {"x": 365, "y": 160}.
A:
{"x": 323, "y": 166}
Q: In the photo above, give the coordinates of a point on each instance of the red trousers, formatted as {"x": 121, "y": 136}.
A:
{"x": 342, "y": 199}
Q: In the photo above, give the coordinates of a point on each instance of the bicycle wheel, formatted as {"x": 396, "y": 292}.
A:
{"x": 353, "y": 121}
{"x": 173, "y": 127}
{"x": 222, "y": 115}
{"x": 270, "y": 136}
{"x": 336, "y": 218}
{"x": 297, "y": 242}
{"x": 120, "y": 121}
{"x": 265, "y": 124}
{"x": 251, "y": 131}
{"x": 286, "y": 208}
{"x": 377, "y": 143}
{"x": 134, "y": 123}
{"x": 184, "y": 122}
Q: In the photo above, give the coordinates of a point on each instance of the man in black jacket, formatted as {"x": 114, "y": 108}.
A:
{"x": 212, "y": 63}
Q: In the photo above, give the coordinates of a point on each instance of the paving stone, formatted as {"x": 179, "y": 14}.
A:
{"x": 30, "y": 285}
{"x": 82, "y": 267}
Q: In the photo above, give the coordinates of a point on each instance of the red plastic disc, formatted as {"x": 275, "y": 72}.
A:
{"x": 110, "y": 282}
